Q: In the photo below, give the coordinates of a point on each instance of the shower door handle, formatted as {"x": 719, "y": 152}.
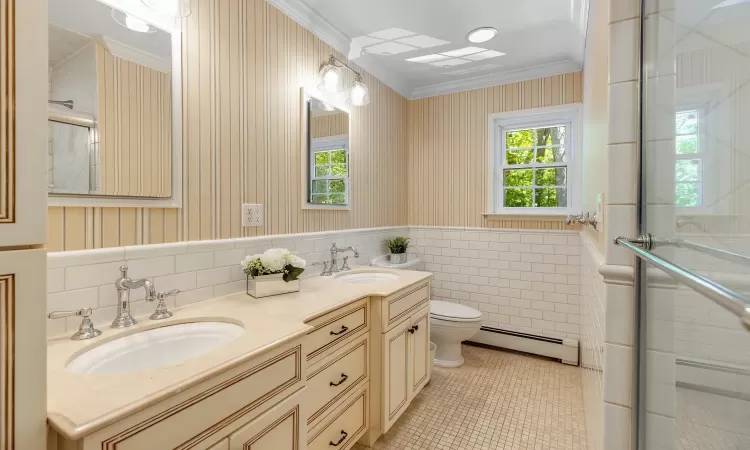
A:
{"x": 719, "y": 294}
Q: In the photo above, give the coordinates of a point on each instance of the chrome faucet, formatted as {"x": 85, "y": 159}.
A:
{"x": 124, "y": 285}
{"x": 334, "y": 257}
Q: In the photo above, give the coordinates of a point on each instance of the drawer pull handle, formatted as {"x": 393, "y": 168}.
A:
{"x": 344, "y": 435}
{"x": 343, "y": 330}
{"x": 411, "y": 330}
{"x": 344, "y": 377}
{"x": 416, "y": 327}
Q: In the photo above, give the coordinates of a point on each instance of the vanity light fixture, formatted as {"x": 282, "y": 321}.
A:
{"x": 131, "y": 22}
{"x": 480, "y": 35}
{"x": 331, "y": 80}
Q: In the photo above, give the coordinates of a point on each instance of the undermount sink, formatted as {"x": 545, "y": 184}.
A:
{"x": 366, "y": 277}
{"x": 155, "y": 348}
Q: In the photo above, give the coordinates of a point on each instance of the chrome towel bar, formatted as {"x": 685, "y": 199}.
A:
{"x": 721, "y": 295}
{"x": 715, "y": 252}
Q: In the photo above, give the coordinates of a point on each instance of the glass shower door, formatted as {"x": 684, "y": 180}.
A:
{"x": 694, "y": 348}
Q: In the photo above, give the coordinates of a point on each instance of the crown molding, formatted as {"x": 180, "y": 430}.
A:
{"x": 496, "y": 79}
{"x": 136, "y": 55}
{"x": 301, "y": 13}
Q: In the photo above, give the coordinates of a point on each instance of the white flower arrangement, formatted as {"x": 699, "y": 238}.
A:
{"x": 274, "y": 261}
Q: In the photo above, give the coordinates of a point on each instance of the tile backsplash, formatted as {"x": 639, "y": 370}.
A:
{"x": 199, "y": 269}
{"x": 522, "y": 280}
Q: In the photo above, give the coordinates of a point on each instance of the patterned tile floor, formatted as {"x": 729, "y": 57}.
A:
{"x": 711, "y": 422}
{"x": 497, "y": 401}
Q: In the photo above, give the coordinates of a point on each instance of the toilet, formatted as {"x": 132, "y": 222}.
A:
{"x": 452, "y": 324}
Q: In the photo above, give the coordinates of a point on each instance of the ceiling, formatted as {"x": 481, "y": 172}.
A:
{"x": 537, "y": 38}
{"x": 73, "y": 21}
{"x": 64, "y": 43}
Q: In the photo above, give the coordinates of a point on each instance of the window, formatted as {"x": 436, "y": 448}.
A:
{"x": 532, "y": 159}
{"x": 329, "y": 178}
{"x": 689, "y": 160}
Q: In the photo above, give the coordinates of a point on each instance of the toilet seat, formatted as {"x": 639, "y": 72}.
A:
{"x": 453, "y": 312}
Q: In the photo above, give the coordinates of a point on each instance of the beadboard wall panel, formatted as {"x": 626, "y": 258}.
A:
{"x": 135, "y": 137}
{"x": 243, "y": 65}
{"x": 448, "y": 140}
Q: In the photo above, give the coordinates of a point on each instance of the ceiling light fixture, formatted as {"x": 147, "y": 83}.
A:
{"x": 331, "y": 81}
{"x": 427, "y": 58}
{"x": 131, "y": 22}
{"x": 463, "y": 51}
{"x": 480, "y": 35}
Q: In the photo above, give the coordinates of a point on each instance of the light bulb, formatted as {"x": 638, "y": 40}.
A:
{"x": 331, "y": 81}
{"x": 136, "y": 24}
{"x": 358, "y": 94}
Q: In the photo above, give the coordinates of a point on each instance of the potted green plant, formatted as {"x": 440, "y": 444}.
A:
{"x": 397, "y": 246}
{"x": 275, "y": 271}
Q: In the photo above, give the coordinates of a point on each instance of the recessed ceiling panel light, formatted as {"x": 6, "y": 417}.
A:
{"x": 422, "y": 41}
{"x": 484, "y": 55}
{"x": 389, "y": 48}
{"x": 463, "y": 51}
{"x": 392, "y": 33}
{"x": 450, "y": 62}
{"x": 364, "y": 41}
{"x": 427, "y": 58}
{"x": 479, "y": 35}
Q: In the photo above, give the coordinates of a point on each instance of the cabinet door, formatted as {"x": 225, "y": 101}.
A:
{"x": 23, "y": 115}
{"x": 23, "y": 350}
{"x": 221, "y": 445}
{"x": 396, "y": 373}
{"x": 280, "y": 428}
{"x": 419, "y": 359}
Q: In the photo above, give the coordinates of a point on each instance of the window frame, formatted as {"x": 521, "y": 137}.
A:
{"x": 329, "y": 144}
{"x": 501, "y": 123}
{"x": 703, "y": 155}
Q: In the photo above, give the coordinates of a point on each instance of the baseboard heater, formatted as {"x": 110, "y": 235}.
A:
{"x": 566, "y": 350}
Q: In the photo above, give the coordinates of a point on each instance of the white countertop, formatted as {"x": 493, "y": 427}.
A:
{"x": 79, "y": 404}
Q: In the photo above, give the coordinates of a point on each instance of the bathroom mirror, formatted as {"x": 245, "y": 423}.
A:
{"x": 325, "y": 154}
{"x": 113, "y": 122}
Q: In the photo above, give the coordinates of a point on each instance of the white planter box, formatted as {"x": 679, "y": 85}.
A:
{"x": 267, "y": 285}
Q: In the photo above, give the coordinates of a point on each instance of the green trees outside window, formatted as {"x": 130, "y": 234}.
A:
{"x": 535, "y": 173}
{"x": 328, "y": 184}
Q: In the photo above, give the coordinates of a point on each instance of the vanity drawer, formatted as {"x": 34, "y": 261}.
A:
{"x": 344, "y": 426}
{"x": 196, "y": 417}
{"x": 337, "y": 327}
{"x": 403, "y": 303}
{"x": 336, "y": 376}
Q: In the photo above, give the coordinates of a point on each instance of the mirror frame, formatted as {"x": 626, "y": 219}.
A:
{"x": 305, "y": 148}
{"x": 175, "y": 201}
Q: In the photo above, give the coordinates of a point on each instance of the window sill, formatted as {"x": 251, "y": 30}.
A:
{"x": 526, "y": 215}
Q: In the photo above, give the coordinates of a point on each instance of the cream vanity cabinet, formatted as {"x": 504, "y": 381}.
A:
{"x": 257, "y": 405}
{"x": 406, "y": 352}
{"x": 338, "y": 377}
{"x": 401, "y": 349}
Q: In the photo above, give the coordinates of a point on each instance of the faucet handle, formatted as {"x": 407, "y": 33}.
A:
{"x": 86, "y": 330}
{"x": 345, "y": 266}
{"x": 161, "y": 308}
{"x": 326, "y": 272}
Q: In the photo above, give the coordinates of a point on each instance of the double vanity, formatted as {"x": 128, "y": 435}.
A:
{"x": 323, "y": 368}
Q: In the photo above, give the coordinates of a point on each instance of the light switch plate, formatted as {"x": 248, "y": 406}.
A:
{"x": 252, "y": 215}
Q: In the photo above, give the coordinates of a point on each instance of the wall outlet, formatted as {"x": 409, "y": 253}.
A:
{"x": 252, "y": 215}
